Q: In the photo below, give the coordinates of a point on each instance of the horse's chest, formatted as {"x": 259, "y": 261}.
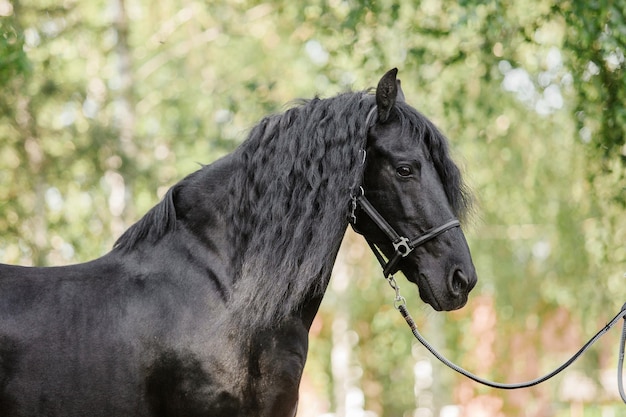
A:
{"x": 240, "y": 375}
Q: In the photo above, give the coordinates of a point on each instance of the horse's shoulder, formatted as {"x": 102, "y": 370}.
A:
{"x": 256, "y": 372}
{"x": 178, "y": 382}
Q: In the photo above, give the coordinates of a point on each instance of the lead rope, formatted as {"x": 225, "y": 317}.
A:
{"x": 400, "y": 305}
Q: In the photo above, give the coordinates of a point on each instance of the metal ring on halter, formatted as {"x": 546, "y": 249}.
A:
{"x": 403, "y": 246}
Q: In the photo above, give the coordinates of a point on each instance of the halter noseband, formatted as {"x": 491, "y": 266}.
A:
{"x": 402, "y": 245}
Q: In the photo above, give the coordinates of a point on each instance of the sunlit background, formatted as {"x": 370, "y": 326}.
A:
{"x": 105, "y": 104}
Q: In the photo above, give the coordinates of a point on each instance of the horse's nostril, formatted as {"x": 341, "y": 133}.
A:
{"x": 459, "y": 282}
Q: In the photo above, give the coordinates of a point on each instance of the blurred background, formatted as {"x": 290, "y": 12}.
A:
{"x": 104, "y": 104}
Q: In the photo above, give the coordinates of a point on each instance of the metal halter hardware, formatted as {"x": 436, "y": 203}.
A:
{"x": 402, "y": 245}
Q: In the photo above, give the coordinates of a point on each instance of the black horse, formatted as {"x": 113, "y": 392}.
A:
{"x": 203, "y": 307}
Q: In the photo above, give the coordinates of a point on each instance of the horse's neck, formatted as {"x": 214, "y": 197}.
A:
{"x": 203, "y": 240}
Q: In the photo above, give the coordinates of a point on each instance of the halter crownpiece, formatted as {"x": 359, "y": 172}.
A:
{"x": 370, "y": 116}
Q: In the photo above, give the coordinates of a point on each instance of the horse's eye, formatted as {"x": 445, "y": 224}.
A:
{"x": 404, "y": 171}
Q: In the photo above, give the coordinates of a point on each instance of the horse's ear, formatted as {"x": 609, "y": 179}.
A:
{"x": 387, "y": 92}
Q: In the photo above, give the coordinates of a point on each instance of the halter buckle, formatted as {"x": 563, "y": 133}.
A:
{"x": 354, "y": 196}
{"x": 403, "y": 246}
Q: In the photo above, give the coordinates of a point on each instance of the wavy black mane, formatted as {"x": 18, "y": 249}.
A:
{"x": 290, "y": 199}
{"x": 152, "y": 226}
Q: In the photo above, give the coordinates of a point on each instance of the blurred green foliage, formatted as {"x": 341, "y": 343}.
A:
{"x": 105, "y": 104}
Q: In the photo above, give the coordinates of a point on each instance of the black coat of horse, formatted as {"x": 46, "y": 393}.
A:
{"x": 203, "y": 307}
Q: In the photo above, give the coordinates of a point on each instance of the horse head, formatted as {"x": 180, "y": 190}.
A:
{"x": 411, "y": 196}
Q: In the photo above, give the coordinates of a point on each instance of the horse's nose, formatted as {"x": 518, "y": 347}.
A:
{"x": 460, "y": 283}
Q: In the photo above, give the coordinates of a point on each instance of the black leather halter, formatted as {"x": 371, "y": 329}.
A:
{"x": 402, "y": 245}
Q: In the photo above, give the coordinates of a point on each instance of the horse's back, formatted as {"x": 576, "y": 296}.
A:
{"x": 60, "y": 338}
{"x": 82, "y": 339}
